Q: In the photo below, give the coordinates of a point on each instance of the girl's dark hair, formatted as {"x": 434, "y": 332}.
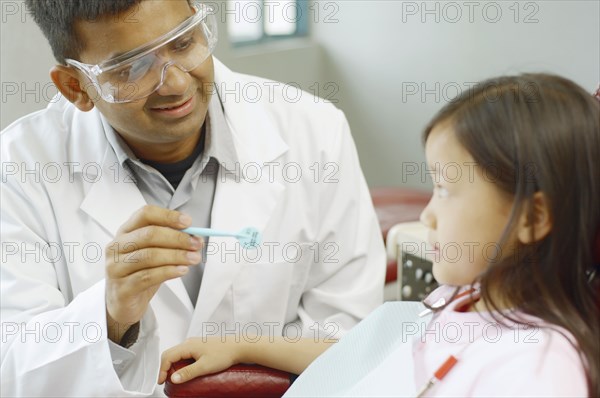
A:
{"x": 540, "y": 132}
{"x": 56, "y": 19}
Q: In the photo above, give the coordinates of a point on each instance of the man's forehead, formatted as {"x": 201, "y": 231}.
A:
{"x": 110, "y": 36}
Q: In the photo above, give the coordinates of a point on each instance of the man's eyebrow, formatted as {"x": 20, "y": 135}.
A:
{"x": 112, "y": 56}
{"x": 115, "y": 55}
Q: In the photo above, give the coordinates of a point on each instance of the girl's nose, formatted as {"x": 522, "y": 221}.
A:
{"x": 427, "y": 217}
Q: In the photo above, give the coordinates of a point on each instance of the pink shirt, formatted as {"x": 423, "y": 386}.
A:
{"x": 495, "y": 360}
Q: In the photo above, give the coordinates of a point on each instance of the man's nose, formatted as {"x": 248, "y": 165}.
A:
{"x": 176, "y": 81}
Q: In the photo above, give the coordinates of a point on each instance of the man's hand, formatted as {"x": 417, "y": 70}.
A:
{"x": 147, "y": 250}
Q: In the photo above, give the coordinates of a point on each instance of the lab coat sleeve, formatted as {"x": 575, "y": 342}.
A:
{"x": 54, "y": 344}
{"x": 346, "y": 284}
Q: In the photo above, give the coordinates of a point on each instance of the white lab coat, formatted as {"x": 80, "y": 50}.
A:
{"x": 58, "y": 218}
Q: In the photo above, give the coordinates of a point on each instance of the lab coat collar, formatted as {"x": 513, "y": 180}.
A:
{"x": 118, "y": 144}
{"x": 254, "y": 133}
{"x": 219, "y": 141}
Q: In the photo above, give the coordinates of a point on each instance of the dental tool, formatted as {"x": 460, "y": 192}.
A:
{"x": 248, "y": 237}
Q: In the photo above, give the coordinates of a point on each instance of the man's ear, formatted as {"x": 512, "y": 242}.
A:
{"x": 67, "y": 81}
{"x": 537, "y": 225}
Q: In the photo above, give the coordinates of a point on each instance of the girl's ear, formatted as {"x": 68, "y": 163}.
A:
{"x": 68, "y": 82}
{"x": 538, "y": 226}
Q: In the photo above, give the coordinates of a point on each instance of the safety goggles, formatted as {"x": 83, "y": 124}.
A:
{"x": 140, "y": 72}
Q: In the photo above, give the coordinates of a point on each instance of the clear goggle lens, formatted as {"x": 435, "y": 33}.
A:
{"x": 140, "y": 72}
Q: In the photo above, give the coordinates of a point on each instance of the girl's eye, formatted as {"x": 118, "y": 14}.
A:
{"x": 440, "y": 191}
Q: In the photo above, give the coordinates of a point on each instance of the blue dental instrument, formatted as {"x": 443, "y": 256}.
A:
{"x": 248, "y": 237}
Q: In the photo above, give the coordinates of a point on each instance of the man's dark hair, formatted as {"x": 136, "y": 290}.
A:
{"x": 56, "y": 19}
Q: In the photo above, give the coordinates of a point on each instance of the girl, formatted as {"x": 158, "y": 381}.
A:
{"x": 515, "y": 163}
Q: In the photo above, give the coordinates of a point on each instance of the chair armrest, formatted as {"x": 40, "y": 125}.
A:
{"x": 239, "y": 381}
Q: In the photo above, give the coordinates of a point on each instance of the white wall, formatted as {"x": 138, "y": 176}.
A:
{"x": 373, "y": 55}
{"x": 25, "y": 62}
{"x": 296, "y": 61}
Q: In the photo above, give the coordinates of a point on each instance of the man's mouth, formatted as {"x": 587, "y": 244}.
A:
{"x": 179, "y": 109}
{"x": 174, "y": 106}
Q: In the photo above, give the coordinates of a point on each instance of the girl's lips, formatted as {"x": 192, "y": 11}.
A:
{"x": 180, "y": 111}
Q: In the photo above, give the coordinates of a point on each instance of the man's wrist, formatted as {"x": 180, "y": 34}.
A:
{"x": 130, "y": 336}
{"x": 123, "y": 334}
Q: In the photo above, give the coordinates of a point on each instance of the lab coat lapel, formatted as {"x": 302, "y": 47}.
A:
{"x": 108, "y": 201}
{"x": 236, "y": 205}
{"x": 112, "y": 197}
{"x": 238, "y": 202}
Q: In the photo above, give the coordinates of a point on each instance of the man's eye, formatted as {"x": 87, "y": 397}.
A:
{"x": 133, "y": 71}
{"x": 138, "y": 68}
{"x": 123, "y": 74}
{"x": 183, "y": 44}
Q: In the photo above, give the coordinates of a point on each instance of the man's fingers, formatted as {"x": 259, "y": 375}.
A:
{"x": 150, "y": 277}
{"x": 155, "y": 236}
{"x": 143, "y": 259}
{"x": 154, "y": 215}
